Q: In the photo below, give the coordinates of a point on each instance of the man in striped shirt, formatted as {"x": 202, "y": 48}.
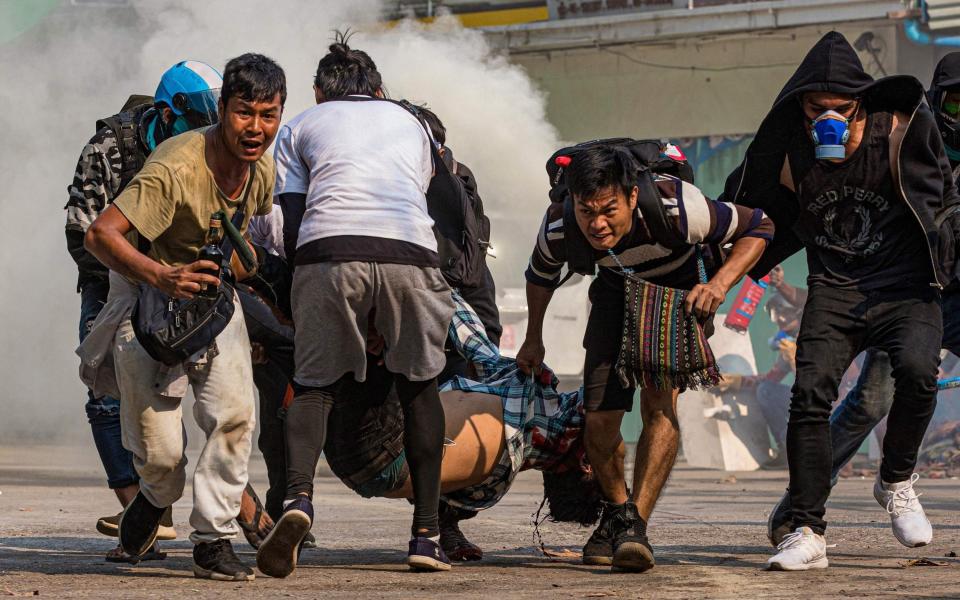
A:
{"x": 604, "y": 193}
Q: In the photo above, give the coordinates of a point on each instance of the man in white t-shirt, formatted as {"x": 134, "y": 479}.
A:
{"x": 266, "y": 231}
{"x": 352, "y": 174}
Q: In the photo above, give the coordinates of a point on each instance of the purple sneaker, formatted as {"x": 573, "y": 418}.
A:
{"x": 278, "y": 553}
{"x": 427, "y": 555}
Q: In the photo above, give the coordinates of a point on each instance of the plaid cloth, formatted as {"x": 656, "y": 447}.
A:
{"x": 541, "y": 426}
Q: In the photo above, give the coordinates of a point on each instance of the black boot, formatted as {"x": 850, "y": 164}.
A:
{"x": 599, "y": 548}
{"x": 216, "y": 560}
{"x": 631, "y": 550}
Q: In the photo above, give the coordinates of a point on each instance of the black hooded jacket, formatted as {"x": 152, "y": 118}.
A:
{"x": 945, "y": 77}
{"x": 925, "y": 177}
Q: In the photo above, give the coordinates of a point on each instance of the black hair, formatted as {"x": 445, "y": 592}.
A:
{"x": 436, "y": 126}
{"x": 572, "y": 496}
{"x": 254, "y": 78}
{"x": 599, "y": 167}
{"x": 345, "y": 71}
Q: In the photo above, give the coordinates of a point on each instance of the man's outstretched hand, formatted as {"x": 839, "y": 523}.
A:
{"x": 704, "y": 300}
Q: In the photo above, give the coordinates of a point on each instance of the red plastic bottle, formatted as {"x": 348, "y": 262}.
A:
{"x": 745, "y": 304}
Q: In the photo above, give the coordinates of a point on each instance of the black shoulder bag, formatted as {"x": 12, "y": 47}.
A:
{"x": 172, "y": 330}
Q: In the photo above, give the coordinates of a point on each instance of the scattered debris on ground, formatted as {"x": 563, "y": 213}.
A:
{"x": 922, "y": 562}
{"x": 562, "y": 553}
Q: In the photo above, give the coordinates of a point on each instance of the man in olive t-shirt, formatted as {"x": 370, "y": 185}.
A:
{"x": 169, "y": 203}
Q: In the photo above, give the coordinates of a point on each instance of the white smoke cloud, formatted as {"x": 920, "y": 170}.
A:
{"x": 80, "y": 64}
{"x": 495, "y": 119}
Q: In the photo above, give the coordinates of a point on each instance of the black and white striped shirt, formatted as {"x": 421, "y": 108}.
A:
{"x": 697, "y": 219}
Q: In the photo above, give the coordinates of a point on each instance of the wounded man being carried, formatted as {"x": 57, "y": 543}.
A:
{"x": 497, "y": 424}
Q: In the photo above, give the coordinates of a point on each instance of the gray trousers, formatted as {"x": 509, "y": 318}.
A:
{"x": 336, "y": 303}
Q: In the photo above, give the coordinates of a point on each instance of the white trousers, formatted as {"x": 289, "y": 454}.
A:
{"x": 152, "y": 425}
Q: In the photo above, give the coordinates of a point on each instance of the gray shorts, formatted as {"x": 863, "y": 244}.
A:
{"x": 331, "y": 304}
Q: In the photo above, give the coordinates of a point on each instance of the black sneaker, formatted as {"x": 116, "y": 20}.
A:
{"x": 216, "y": 560}
{"x": 780, "y": 523}
{"x": 456, "y": 545}
{"x": 599, "y": 548}
{"x": 427, "y": 555}
{"x": 279, "y": 551}
{"x": 138, "y": 526}
{"x": 631, "y": 550}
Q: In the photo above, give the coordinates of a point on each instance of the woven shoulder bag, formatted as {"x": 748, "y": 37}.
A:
{"x": 662, "y": 347}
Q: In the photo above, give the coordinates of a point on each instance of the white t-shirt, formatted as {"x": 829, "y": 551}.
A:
{"x": 364, "y": 166}
{"x": 266, "y": 231}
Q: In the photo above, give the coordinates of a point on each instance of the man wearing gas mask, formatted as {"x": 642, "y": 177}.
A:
{"x": 853, "y": 170}
{"x": 944, "y": 98}
{"x": 870, "y": 399}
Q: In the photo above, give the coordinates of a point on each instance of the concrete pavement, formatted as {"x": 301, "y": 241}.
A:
{"x": 708, "y": 534}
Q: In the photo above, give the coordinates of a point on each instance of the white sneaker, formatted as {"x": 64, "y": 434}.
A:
{"x": 800, "y": 551}
{"x": 910, "y": 524}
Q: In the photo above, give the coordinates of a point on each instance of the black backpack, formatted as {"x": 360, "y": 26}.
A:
{"x": 460, "y": 226}
{"x": 125, "y": 126}
{"x": 651, "y": 157}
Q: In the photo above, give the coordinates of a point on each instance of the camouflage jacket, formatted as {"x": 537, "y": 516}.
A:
{"x": 96, "y": 183}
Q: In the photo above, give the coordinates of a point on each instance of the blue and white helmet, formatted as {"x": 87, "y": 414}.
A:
{"x": 192, "y": 90}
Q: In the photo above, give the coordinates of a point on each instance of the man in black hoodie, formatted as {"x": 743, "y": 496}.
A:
{"x": 870, "y": 400}
{"x": 854, "y": 170}
{"x": 944, "y": 97}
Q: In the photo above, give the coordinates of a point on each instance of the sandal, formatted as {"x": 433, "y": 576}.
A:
{"x": 256, "y": 530}
{"x": 117, "y": 555}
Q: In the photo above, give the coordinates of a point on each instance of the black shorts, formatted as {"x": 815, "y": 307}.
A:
{"x": 364, "y": 445}
{"x": 601, "y": 387}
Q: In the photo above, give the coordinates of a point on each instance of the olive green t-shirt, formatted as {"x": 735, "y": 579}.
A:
{"x": 171, "y": 199}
